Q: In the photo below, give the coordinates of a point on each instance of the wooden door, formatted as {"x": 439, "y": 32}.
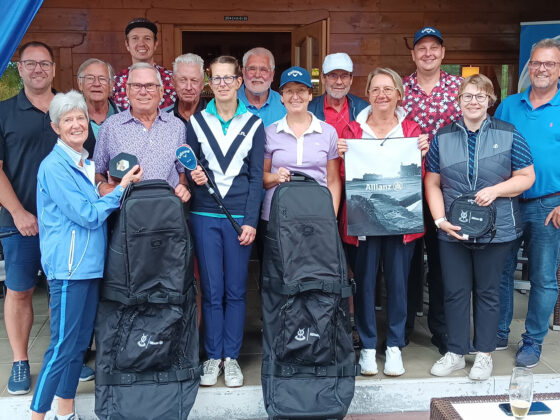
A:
{"x": 309, "y": 48}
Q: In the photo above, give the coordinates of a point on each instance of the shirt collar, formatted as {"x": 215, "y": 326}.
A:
{"x": 75, "y": 156}
{"x": 211, "y": 109}
{"x": 554, "y": 101}
{"x": 315, "y": 125}
{"x": 345, "y": 106}
{"x": 127, "y": 115}
{"x": 23, "y": 101}
{"x": 243, "y": 96}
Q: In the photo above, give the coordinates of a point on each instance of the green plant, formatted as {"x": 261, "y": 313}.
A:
{"x": 10, "y": 83}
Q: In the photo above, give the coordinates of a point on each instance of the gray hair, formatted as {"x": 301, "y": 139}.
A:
{"x": 189, "y": 58}
{"x": 63, "y": 103}
{"x": 546, "y": 43}
{"x": 259, "y": 51}
{"x": 137, "y": 66}
{"x": 90, "y": 61}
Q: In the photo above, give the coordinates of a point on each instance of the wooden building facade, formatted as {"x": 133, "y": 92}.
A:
{"x": 375, "y": 33}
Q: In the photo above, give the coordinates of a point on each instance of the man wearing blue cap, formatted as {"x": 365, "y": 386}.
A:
{"x": 430, "y": 98}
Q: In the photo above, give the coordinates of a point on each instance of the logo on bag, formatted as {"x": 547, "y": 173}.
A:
{"x": 464, "y": 216}
{"x": 300, "y": 336}
{"x": 145, "y": 341}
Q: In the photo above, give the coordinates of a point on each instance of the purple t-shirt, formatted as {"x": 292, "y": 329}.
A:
{"x": 154, "y": 148}
{"x": 309, "y": 154}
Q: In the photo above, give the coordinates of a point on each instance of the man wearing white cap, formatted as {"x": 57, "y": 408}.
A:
{"x": 337, "y": 106}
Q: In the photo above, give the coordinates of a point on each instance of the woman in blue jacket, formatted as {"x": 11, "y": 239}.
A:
{"x": 73, "y": 241}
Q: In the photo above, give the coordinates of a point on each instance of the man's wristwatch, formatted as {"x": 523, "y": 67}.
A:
{"x": 440, "y": 221}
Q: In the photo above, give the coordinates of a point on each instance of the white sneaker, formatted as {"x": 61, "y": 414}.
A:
{"x": 447, "y": 364}
{"x": 367, "y": 362}
{"x": 393, "y": 362}
{"x": 212, "y": 368}
{"x": 482, "y": 367}
{"x": 233, "y": 375}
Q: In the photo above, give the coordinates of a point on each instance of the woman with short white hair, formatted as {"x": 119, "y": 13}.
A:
{"x": 73, "y": 240}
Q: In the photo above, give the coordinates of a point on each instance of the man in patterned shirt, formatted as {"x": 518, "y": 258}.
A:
{"x": 430, "y": 98}
{"x": 141, "y": 42}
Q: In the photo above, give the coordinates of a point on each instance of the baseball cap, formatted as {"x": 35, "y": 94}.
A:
{"x": 427, "y": 31}
{"x": 337, "y": 61}
{"x": 296, "y": 74}
{"x": 141, "y": 23}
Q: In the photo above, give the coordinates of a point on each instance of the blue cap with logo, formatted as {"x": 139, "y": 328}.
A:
{"x": 427, "y": 31}
{"x": 296, "y": 74}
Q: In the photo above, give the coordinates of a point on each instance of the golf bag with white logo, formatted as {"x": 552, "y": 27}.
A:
{"x": 146, "y": 332}
{"x": 309, "y": 365}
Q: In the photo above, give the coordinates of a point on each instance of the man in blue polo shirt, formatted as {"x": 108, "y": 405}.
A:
{"x": 255, "y": 93}
{"x": 536, "y": 114}
{"x": 26, "y": 137}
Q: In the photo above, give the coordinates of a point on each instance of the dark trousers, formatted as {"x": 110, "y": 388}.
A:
{"x": 396, "y": 258}
{"x": 436, "y": 314}
{"x": 476, "y": 271}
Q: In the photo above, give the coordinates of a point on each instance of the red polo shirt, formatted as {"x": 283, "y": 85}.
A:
{"x": 339, "y": 120}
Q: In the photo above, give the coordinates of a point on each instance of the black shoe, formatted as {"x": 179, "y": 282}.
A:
{"x": 440, "y": 342}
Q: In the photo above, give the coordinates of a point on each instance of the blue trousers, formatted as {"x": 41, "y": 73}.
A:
{"x": 223, "y": 266}
{"x": 73, "y": 306}
{"x": 22, "y": 258}
{"x": 396, "y": 258}
{"x": 543, "y": 249}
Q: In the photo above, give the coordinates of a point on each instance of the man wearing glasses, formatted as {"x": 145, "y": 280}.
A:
{"x": 536, "y": 114}
{"x": 95, "y": 81}
{"x": 26, "y": 137}
{"x": 141, "y": 42}
{"x": 337, "y": 106}
{"x": 255, "y": 93}
{"x": 430, "y": 98}
{"x": 145, "y": 131}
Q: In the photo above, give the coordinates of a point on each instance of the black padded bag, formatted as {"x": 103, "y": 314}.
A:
{"x": 308, "y": 369}
{"x": 146, "y": 330}
{"x": 475, "y": 221}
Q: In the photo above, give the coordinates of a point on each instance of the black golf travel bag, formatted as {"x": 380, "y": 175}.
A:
{"x": 309, "y": 365}
{"x": 146, "y": 333}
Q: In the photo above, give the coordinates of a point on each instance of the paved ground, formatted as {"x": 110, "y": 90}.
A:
{"x": 418, "y": 356}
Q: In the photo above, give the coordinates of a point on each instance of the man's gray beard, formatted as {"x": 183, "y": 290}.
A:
{"x": 264, "y": 92}
{"x": 337, "y": 95}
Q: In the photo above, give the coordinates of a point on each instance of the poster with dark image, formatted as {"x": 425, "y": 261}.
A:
{"x": 383, "y": 187}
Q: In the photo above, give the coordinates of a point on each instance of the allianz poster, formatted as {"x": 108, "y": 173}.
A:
{"x": 531, "y": 33}
{"x": 383, "y": 187}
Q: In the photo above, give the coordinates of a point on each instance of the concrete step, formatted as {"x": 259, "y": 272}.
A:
{"x": 372, "y": 396}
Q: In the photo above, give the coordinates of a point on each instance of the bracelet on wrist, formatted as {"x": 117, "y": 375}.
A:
{"x": 439, "y": 221}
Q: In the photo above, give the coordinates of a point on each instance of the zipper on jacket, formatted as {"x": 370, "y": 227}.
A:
{"x": 71, "y": 253}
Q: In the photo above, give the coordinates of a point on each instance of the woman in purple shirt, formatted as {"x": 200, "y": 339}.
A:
{"x": 299, "y": 142}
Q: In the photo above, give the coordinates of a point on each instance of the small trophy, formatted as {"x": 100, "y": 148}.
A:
{"x": 121, "y": 164}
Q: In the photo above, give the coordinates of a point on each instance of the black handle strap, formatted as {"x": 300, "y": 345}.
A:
{"x": 163, "y": 377}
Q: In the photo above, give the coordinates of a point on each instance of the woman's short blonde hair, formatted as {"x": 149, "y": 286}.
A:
{"x": 397, "y": 81}
{"x": 483, "y": 83}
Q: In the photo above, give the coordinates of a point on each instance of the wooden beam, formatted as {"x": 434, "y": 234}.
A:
{"x": 210, "y": 17}
{"x": 64, "y": 69}
{"x": 55, "y": 39}
{"x": 167, "y": 42}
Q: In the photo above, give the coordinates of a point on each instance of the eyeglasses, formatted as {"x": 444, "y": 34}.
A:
{"x": 296, "y": 91}
{"x": 333, "y": 77}
{"x": 217, "y": 80}
{"x": 31, "y": 64}
{"x": 253, "y": 69}
{"x": 387, "y": 90}
{"x": 137, "y": 87}
{"x": 89, "y": 79}
{"x": 549, "y": 65}
{"x": 467, "y": 97}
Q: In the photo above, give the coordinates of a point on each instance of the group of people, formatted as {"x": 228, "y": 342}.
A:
{"x": 250, "y": 137}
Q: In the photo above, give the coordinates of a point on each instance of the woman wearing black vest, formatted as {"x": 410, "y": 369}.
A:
{"x": 489, "y": 158}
